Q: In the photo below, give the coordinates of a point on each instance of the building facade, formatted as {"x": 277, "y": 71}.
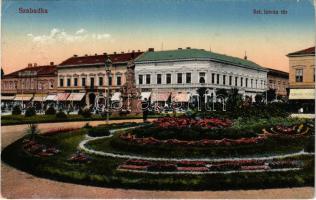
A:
{"x": 302, "y": 79}
{"x": 33, "y": 82}
{"x": 87, "y": 74}
{"x": 279, "y": 81}
{"x": 183, "y": 71}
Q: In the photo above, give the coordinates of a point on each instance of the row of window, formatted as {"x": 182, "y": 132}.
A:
{"x": 92, "y": 81}
{"x": 28, "y": 85}
{"x": 254, "y": 83}
{"x": 299, "y": 75}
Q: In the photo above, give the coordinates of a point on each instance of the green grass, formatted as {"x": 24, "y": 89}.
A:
{"x": 102, "y": 171}
{"x": 21, "y": 119}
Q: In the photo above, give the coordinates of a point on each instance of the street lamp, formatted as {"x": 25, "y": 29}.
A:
{"x": 108, "y": 66}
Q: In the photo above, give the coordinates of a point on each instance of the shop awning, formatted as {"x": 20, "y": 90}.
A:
{"x": 180, "y": 97}
{"x": 61, "y": 96}
{"x": 161, "y": 96}
{"x": 75, "y": 96}
{"x": 7, "y": 98}
{"x": 302, "y": 94}
{"x": 23, "y": 97}
{"x": 145, "y": 95}
{"x": 39, "y": 97}
{"x": 116, "y": 96}
{"x": 50, "y": 97}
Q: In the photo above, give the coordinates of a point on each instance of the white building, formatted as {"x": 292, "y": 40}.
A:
{"x": 183, "y": 71}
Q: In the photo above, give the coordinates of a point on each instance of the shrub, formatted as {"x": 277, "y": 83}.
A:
{"x": 98, "y": 131}
{"x": 30, "y": 111}
{"x": 85, "y": 113}
{"x": 310, "y": 145}
{"x": 50, "y": 111}
{"x": 16, "y": 110}
{"x": 61, "y": 115}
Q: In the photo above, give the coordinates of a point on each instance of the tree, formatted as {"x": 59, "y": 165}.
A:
{"x": 222, "y": 92}
{"x": 201, "y": 92}
{"x": 271, "y": 95}
{"x": 259, "y": 98}
{"x": 234, "y": 100}
{"x": 33, "y": 130}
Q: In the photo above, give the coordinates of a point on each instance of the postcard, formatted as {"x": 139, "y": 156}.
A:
{"x": 156, "y": 99}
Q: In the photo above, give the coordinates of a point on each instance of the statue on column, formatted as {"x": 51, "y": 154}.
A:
{"x": 129, "y": 93}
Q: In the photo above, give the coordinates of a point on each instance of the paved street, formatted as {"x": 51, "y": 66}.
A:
{"x": 16, "y": 184}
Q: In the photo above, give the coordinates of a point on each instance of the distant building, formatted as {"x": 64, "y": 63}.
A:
{"x": 302, "y": 78}
{"x": 279, "y": 81}
{"x": 183, "y": 71}
{"x": 85, "y": 76}
{"x": 30, "y": 83}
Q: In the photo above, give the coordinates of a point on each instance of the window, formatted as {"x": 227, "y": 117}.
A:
{"x": 202, "y": 77}
{"x": 68, "y": 82}
{"x": 230, "y": 80}
{"x": 83, "y": 81}
{"x": 299, "y": 75}
{"x": 158, "y": 78}
{"x": 147, "y": 78}
{"x": 251, "y": 83}
{"x": 217, "y": 79}
{"x": 61, "y": 82}
{"x": 188, "y": 78}
{"x": 110, "y": 80}
{"x": 168, "y": 79}
{"x": 224, "y": 79}
{"x": 118, "y": 80}
{"x": 246, "y": 82}
{"x": 213, "y": 78}
{"x": 179, "y": 78}
{"x": 91, "y": 81}
{"x": 241, "y": 81}
{"x": 236, "y": 79}
{"x": 314, "y": 74}
{"x": 140, "y": 79}
{"x": 256, "y": 83}
{"x": 75, "y": 81}
{"x": 100, "y": 81}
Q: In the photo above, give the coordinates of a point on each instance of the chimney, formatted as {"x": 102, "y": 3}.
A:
{"x": 188, "y": 47}
{"x": 75, "y": 55}
{"x": 114, "y": 52}
{"x": 138, "y": 50}
{"x": 95, "y": 54}
{"x": 86, "y": 55}
{"x": 105, "y": 54}
{"x": 29, "y": 65}
{"x": 35, "y": 65}
{"x": 151, "y": 49}
{"x": 245, "y": 57}
{"x": 133, "y": 51}
{"x": 122, "y": 51}
{"x": 51, "y": 63}
{"x": 179, "y": 48}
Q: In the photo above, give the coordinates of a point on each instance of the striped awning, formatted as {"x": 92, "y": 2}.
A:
{"x": 50, "y": 97}
{"x": 23, "y": 97}
{"x": 145, "y": 95}
{"x": 161, "y": 96}
{"x": 75, "y": 96}
{"x": 39, "y": 97}
{"x": 7, "y": 98}
{"x": 61, "y": 96}
{"x": 302, "y": 94}
{"x": 180, "y": 97}
{"x": 116, "y": 96}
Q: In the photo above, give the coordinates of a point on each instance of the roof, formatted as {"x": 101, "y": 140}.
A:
{"x": 277, "y": 73}
{"x": 195, "y": 54}
{"x": 97, "y": 59}
{"x": 308, "y": 51}
{"x": 44, "y": 70}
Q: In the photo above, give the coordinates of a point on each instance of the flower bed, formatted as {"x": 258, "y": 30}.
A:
{"x": 182, "y": 122}
{"x": 34, "y": 148}
{"x": 201, "y": 166}
{"x": 294, "y": 130}
{"x": 59, "y": 130}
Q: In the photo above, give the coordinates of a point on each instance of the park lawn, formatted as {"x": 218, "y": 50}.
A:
{"x": 101, "y": 171}
{"x": 21, "y": 119}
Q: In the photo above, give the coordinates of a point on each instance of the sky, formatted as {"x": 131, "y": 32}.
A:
{"x": 96, "y": 26}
